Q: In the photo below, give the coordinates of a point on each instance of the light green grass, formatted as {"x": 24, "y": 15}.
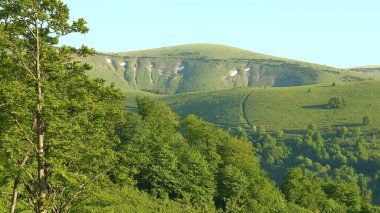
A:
{"x": 290, "y": 108}
{"x": 208, "y": 67}
{"x": 112, "y": 73}
{"x": 220, "y": 107}
{"x": 293, "y": 108}
{"x": 214, "y": 51}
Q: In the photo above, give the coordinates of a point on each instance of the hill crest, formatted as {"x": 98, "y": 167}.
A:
{"x": 208, "y": 67}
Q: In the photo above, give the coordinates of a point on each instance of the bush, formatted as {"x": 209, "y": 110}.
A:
{"x": 342, "y": 132}
{"x": 279, "y": 133}
{"x": 356, "y": 132}
{"x": 366, "y": 120}
{"x": 261, "y": 130}
{"x": 336, "y": 103}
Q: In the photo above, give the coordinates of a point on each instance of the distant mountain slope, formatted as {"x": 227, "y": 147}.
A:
{"x": 287, "y": 108}
{"x": 208, "y": 67}
{"x": 367, "y": 69}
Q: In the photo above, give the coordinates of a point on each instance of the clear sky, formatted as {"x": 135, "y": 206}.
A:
{"x": 340, "y": 33}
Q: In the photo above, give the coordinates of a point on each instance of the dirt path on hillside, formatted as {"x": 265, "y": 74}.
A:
{"x": 243, "y": 109}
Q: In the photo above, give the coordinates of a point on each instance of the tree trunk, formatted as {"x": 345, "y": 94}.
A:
{"x": 40, "y": 130}
{"x": 14, "y": 194}
{"x": 15, "y": 187}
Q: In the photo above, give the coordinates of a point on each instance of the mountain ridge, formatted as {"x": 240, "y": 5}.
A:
{"x": 208, "y": 67}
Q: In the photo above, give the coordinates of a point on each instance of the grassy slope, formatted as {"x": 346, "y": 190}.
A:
{"x": 201, "y": 50}
{"x": 207, "y": 67}
{"x": 221, "y": 107}
{"x": 290, "y": 108}
{"x": 373, "y": 70}
{"x": 293, "y": 108}
{"x": 215, "y": 51}
{"x": 366, "y": 67}
{"x": 109, "y": 72}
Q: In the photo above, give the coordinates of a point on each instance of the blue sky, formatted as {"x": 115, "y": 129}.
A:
{"x": 340, "y": 33}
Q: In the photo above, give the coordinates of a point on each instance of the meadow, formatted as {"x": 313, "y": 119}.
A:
{"x": 285, "y": 108}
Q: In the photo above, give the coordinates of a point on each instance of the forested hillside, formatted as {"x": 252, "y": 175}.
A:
{"x": 297, "y": 127}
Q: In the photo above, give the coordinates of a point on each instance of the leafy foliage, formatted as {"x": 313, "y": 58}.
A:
{"x": 366, "y": 120}
{"x": 336, "y": 103}
{"x": 58, "y": 124}
{"x": 198, "y": 165}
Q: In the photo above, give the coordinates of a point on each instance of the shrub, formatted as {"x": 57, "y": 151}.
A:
{"x": 261, "y": 130}
{"x": 366, "y": 120}
{"x": 336, "y": 103}
{"x": 279, "y": 133}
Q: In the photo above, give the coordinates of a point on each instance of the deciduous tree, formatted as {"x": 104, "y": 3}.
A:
{"x": 58, "y": 125}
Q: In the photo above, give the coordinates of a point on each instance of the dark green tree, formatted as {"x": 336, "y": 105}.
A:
{"x": 356, "y": 132}
{"x": 336, "y": 103}
{"x": 279, "y": 133}
{"x": 361, "y": 149}
{"x": 366, "y": 120}
{"x": 273, "y": 152}
{"x": 342, "y": 132}
{"x": 261, "y": 130}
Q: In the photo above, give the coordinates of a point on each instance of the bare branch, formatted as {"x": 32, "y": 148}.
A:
{"x": 26, "y": 172}
{"x": 27, "y": 24}
{"x": 4, "y": 192}
{"x": 32, "y": 202}
{"x": 27, "y": 138}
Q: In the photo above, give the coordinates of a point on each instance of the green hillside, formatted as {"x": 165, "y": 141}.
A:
{"x": 289, "y": 108}
{"x": 293, "y": 108}
{"x": 366, "y": 68}
{"x": 208, "y": 67}
{"x": 221, "y": 107}
{"x": 373, "y": 70}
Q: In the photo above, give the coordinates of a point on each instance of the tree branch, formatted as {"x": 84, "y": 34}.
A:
{"x": 27, "y": 138}
{"x": 17, "y": 51}
{"x": 28, "y": 26}
{"x": 81, "y": 189}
